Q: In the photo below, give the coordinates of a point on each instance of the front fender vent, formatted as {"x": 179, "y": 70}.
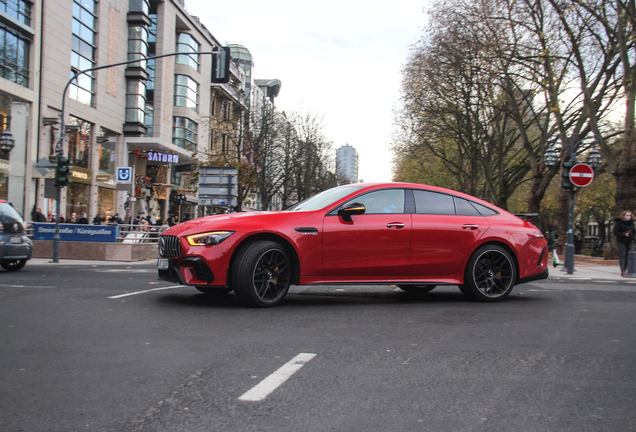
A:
{"x": 169, "y": 246}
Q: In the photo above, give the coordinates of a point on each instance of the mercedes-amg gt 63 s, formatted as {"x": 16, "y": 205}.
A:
{"x": 410, "y": 235}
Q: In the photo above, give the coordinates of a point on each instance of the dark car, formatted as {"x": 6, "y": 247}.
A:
{"x": 410, "y": 235}
{"x": 15, "y": 247}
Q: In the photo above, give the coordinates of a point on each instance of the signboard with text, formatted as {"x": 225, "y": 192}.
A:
{"x": 76, "y": 232}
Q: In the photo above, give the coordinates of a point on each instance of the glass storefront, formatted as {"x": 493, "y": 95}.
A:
{"x": 77, "y": 199}
{"x": 106, "y": 202}
{"x": 79, "y": 143}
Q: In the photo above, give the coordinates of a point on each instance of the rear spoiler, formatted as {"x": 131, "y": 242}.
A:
{"x": 527, "y": 216}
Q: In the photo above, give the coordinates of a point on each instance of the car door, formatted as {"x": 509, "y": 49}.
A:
{"x": 375, "y": 243}
{"x": 445, "y": 231}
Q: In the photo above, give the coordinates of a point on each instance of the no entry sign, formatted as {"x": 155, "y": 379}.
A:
{"x": 581, "y": 175}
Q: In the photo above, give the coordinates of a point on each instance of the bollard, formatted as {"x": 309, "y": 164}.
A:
{"x": 631, "y": 264}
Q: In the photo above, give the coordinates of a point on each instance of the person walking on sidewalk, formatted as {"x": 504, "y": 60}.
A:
{"x": 624, "y": 232}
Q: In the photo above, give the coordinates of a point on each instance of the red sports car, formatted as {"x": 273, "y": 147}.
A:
{"x": 410, "y": 235}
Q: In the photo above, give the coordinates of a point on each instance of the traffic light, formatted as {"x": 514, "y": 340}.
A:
{"x": 62, "y": 172}
{"x": 567, "y": 184}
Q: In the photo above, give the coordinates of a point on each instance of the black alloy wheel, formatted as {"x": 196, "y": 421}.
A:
{"x": 490, "y": 274}
{"x": 262, "y": 274}
{"x": 417, "y": 289}
{"x": 14, "y": 265}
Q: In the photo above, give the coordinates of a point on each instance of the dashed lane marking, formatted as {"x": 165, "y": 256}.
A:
{"x": 275, "y": 380}
{"x": 25, "y": 286}
{"x": 145, "y": 291}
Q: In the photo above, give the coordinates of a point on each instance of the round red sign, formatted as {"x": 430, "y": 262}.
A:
{"x": 581, "y": 175}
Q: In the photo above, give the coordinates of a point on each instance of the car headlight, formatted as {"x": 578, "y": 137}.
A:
{"x": 209, "y": 238}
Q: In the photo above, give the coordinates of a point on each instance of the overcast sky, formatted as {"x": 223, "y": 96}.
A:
{"x": 340, "y": 58}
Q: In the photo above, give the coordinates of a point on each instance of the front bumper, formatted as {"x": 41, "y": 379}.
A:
{"x": 190, "y": 271}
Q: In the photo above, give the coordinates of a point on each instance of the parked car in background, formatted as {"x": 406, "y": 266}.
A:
{"x": 15, "y": 247}
{"x": 410, "y": 235}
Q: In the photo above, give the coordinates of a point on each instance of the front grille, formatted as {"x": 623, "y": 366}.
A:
{"x": 169, "y": 246}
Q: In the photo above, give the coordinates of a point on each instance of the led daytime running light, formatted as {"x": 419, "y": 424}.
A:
{"x": 209, "y": 238}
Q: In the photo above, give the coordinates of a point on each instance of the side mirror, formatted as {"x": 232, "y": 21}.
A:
{"x": 351, "y": 209}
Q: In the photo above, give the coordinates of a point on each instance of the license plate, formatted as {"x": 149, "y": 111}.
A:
{"x": 15, "y": 240}
{"x": 163, "y": 263}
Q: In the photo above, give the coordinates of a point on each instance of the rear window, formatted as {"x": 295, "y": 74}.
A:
{"x": 427, "y": 202}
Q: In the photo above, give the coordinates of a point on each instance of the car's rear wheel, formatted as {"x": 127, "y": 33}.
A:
{"x": 213, "y": 290}
{"x": 417, "y": 289}
{"x": 14, "y": 265}
{"x": 261, "y": 274}
{"x": 490, "y": 274}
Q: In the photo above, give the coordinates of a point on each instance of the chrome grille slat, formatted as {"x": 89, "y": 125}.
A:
{"x": 169, "y": 246}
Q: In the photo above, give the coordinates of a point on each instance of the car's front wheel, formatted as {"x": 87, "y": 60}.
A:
{"x": 417, "y": 289}
{"x": 490, "y": 274}
{"x": 262, "y": 274}
{"x": 14, "y": 265}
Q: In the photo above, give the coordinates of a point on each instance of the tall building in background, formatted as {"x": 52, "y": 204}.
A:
{"x": 347, "y": 163}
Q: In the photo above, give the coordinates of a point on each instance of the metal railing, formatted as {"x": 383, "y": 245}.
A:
{"x": 134, "y": 234}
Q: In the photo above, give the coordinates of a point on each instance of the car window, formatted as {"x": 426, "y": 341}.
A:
{"x": 465, "y": 207}
{"x": 381, "y": 201}
{"x": 325, "y": 198}
{"x": 485, "y": 211}
{"x": 427, "y": 202}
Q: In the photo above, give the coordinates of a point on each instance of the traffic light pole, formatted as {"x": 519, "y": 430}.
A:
{"x": 569, "y": 239}
{"x": 60, "y": 145}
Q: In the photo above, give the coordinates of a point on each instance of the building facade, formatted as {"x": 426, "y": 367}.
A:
{"x": 347, "y": 163}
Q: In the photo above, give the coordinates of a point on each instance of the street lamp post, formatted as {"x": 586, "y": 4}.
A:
{"x": 60, "y": 146}
{"x": 551, "y": 159}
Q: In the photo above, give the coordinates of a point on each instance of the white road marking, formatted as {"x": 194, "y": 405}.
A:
{"x": 275, "y": 380}
{"x": 127, "y": 271}
{"x": 145, "y": 291}
{"x": 25, "y": 286}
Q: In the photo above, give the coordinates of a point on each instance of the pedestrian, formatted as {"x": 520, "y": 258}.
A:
{"x": 624, "y": 232}
{"x": 186, "y": 217}
{"x": 73, "y": 218}
{"x": 38, "y": 216}
{"x": 97, "y": 220}
{"x": 83, "y": 219}
{"x": 578, "y": 244}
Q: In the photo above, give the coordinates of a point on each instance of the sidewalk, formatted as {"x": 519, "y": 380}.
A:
{"x": 586, "y": 267}
{"x": 124, "y": 264}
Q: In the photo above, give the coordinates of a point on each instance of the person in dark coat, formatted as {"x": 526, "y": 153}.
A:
{"x": 624, "y": 232}
{"x": 83, "y": 219}
{"x": 38, "y": 216}
{"x": 97, "y": 220}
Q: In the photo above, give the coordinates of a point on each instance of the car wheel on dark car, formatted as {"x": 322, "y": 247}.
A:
{"x": 490, "y": 274}
{"x": 417, "y": 289}
{"x": 14, "y": 265}
{"x": 261, "y": 274}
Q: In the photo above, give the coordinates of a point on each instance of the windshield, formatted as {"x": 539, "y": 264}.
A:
{"x": 8, "y": 214}
{"x": 323, "y": 199}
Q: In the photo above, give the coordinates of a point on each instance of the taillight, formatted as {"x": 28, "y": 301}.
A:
{"x": 537, "y": 235}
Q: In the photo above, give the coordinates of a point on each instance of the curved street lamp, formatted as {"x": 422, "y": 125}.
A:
{"x": 7, "y": 142}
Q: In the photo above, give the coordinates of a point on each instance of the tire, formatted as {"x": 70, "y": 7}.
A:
{"x": 490, "y": 274}
{"x": 215, "y": 291}
{"x": 261, "y": 274}
{"x": 417, "y": 289}
{"x": 14, "y": 265}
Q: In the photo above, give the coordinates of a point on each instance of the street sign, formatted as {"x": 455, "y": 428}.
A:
{"x": 44, "y": 166}
{"x": 124, "y": 174}
{"x": 581, "y": 175}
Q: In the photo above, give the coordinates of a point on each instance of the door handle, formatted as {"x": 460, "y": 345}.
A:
{"x": 397, "y": 225}
{"x": 470, "y": 226}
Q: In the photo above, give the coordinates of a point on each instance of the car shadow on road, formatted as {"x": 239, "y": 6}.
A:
{"x": 327, "y": 297}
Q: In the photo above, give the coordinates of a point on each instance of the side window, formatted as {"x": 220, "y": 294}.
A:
{"x": 382, "y": 201}
{"x": 464, "y": 207}
{"x": 427, "y": 202}
{"x": 485, "y": 211}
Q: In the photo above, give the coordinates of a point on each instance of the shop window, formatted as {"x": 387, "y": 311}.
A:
{"x": 79, "y": 143}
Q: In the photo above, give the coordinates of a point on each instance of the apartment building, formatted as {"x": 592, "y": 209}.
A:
{"x": 347, "y": 163}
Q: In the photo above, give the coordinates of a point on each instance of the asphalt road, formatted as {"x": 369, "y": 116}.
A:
{"x": 106, "y": 348}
